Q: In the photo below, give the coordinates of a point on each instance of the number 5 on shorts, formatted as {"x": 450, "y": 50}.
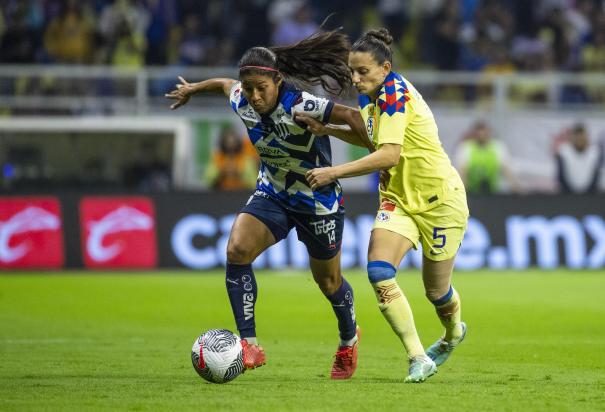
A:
{"x": 441, "y": 237}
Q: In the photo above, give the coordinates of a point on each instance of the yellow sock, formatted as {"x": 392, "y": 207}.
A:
{"x": 449, "y": 315}
{"x": 396, "y": 310}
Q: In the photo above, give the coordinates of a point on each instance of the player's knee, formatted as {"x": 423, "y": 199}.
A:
{"x": 328, "y": 284}
{"x": 379, "y": 270}
{"x": 435, "y": 294}
{"x": 238, "y": 252}
{"x": 439, "y": 296}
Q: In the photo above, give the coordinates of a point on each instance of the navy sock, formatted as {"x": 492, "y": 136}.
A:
{"x": 342, "y": 303}
{"x": 241, "y": 287}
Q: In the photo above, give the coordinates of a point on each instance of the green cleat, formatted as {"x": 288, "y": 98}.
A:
{"x": 421, "y": 368}
{"x": 442, "y": 349}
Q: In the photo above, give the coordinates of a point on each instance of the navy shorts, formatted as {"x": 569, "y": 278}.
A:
{"x": 322, "y": 235}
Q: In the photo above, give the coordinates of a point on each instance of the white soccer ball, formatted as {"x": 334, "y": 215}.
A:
{"x": 217, "y": 356}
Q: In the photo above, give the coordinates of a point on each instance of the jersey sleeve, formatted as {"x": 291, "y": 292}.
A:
{"x": 395, "y": 115}
{"x": 312, "y": 106}
{"x": 235, "y": 96}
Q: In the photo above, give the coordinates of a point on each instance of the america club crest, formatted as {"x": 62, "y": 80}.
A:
{"x": 370, "y": 127}
{"x": 383, "y": 216}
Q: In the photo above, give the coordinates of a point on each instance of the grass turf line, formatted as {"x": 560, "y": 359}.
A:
{"x": 122, "y": 342}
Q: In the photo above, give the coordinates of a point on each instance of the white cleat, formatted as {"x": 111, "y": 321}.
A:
{"x": 442, "y": 349}
{"x": 421, "y": 368}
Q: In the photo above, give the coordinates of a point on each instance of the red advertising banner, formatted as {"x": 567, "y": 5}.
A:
{"x": 30, "y": 233}
{"x": 118, "y": 232}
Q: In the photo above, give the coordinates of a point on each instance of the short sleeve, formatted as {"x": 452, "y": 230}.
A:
{"x": 394, "y": 115}
{"x": 392, "y": 128}
{"x": 312, "y": 106}
{"x": 235, "y": 96}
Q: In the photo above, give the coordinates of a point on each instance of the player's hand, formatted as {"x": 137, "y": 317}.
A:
{"x": 320, "y": 177}
{"x": 313, "y": 125}
{"x": 181, "y": 94}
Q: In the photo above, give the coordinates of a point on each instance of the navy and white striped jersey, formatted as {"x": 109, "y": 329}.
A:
{"x": 287, "y": 151}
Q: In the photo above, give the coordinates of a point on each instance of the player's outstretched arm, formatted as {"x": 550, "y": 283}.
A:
{"x": 385, "y": 157}
{"x": 184, "y": 90}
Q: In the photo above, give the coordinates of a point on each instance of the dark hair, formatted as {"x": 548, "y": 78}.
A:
{"x": 376, "y": 42}
{"x": 310, "y": 61}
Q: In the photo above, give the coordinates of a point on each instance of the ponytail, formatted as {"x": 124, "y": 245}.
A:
{"x": 310, "y": 61}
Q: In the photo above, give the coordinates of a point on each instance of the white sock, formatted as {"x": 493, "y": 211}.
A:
{"x": 349, "y": 342}
{"x": 252, "y": 340}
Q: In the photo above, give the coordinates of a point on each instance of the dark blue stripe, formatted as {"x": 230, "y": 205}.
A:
{"x": 328, "y": 112}
{"x": 445, "y": 298}
{"x": 381, "y": 264}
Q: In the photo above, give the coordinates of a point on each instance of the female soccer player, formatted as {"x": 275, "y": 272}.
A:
{"x": 283, "y": 199}
{"x": 422, "y": 198}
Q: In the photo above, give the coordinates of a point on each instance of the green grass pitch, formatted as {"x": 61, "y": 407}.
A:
{"x": 80, "y": 341}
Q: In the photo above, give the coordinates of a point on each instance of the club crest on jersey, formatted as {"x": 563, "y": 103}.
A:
{"x": 370, "y": 127}
{"x": 383, "y": 216}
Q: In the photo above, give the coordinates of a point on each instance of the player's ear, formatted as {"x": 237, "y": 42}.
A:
{"x": 279, "y": 80}
{"x": 386, "y": 67}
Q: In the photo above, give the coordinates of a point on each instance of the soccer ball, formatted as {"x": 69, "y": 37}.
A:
{"x": 217, "y": 356}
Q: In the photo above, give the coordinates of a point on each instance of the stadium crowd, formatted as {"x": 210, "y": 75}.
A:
{"x": 476, "y": 35}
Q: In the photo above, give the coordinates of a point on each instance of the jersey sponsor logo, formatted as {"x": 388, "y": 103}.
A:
{"x": 271, "y": 151}
{"x": 260, "y": 193}
{"x": 278, "y": 163}
{"x": 30, "y": 233}
{"x": 310, "y": 105}
{"x": 118, "y": 232}
{"x": 249, "y": 114}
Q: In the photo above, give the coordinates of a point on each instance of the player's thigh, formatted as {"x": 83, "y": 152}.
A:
{"x": 393, "y": 235}
{"x": 321, "y": 235}
{"x": 249, "y": 237}
{"x": 442, "y": 229}
{"x": 261, "y": 223}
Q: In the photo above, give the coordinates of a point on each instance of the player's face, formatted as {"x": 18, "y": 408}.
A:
{"x": 366, "y": 73}
{"x": 261, "y": 92}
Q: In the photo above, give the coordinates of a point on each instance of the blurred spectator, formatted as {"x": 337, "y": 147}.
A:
{"x": 160, "y": 31}
{"x": 20, "y": 31}
{"x": 579, "y": 162}
{"x": 446, "y": 34}
{"x": 482, "y": 161}
{"x": 148, "y": 172}
{"x": 593, "y": 55}
{"x": 69, "y": 36}
{"x": 194, "y": 49}
{"x": 128, "y": 48}
{"x": 293, "y": 20}
{"x": 234, "y": 165}
{"x": 113, "y": 16}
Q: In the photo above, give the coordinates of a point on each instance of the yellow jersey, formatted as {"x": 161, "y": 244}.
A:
{"x": 424, "y": 177}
